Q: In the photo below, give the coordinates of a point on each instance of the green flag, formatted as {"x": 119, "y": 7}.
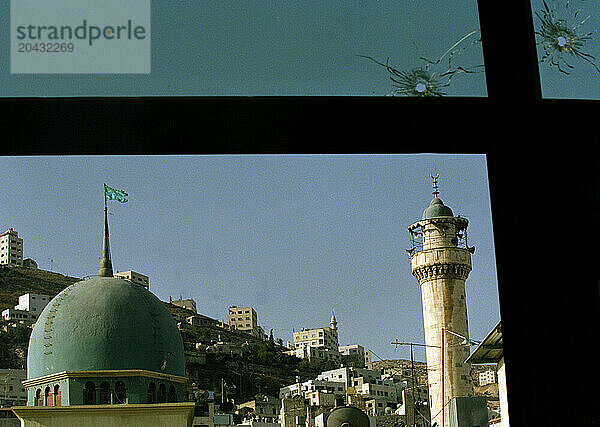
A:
{"x": 112, "y": 194}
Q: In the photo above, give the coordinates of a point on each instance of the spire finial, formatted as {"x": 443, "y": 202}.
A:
{"x": 435, "y": 187}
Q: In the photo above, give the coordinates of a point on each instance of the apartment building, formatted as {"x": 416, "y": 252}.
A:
{"x": 134, "y": 277}
{"x": 347, "y": 374}
{"x": 11, "y": 248}
{"x": 337, "y": 388}
{"x": 355, "y": 355}
{"x": 29, "y": 308}
{"x": 319, "y": 343}
{"x": 244, "y": 319}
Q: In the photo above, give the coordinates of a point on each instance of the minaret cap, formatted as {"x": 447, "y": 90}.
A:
{"x": 105, "y": 263}
{"x": 436, "y": 208}
{"x": 333, "y": 322}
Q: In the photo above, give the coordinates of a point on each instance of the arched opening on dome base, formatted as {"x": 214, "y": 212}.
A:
{"x": 89, "y": 393}
{"x": 120, "y": 392}
{"x": 39, "y": 400}
{"x": 47, "y": 397}
{"x": 151, "y": 393}
{"x": 172, "y": 397}
{"x": 105, "y": 393}
{"x": 57, "y": 396}
{"x": 162, "y": 394}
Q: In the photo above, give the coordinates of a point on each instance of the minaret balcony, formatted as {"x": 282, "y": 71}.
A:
{"x": 434, "y": 260}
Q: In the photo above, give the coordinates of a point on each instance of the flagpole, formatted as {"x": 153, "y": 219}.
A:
{"x": 105, "y": 263}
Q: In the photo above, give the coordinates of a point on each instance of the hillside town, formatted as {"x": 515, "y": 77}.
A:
{"x": 235, "y": 373}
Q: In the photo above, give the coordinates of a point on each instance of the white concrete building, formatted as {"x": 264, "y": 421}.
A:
{"x": 33, "y": 302}
{"x": 378, "y": 394}
{"x": 12, "y": 392}
{"x": 314, "y": 353}
{"x": 337, "y": 388}
{"x": 11, "y": 248}
{"x": 134, "y": 277}
{"x": 355, "y": 355}
{"x": 487, "y": 377}
{"x": 347, "y": 375}
{"x": 29, "y": 308}
{"x": 18, "y": 316}
{"x": 366, "y": 386}
{"x": 379, "y": 389}
{"x": 324, "y": 340}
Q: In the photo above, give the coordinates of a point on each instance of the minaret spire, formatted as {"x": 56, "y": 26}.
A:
{"x": 333, "y": 322}
{"x": 105, "y": 263}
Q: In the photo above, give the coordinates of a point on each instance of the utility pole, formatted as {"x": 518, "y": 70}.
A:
{"x": 414, "y": 384}
{"x": 397, "y": 343}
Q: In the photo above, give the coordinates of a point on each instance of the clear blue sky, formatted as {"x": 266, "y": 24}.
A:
{"x": 293, "y": 236}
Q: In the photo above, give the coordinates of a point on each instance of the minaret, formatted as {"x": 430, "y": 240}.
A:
{"x": 105, "y": 263}
{"x": 440, "y": 260}
{"x": 333, "y": 322}
{"x": 333, "y": 326}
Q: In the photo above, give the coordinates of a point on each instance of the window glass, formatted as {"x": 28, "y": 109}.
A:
{"x": 568, "y": 47}
{"x": 259, "y": 47}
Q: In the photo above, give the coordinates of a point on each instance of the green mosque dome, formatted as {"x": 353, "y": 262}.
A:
{"x": 105, "y": 323}
{"x": 436, "y": 209}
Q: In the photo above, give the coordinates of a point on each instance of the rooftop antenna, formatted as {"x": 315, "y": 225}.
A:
{"x": 435, "y": 187}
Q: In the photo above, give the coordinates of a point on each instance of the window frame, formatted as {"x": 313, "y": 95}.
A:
{"x": 308, "y": 125}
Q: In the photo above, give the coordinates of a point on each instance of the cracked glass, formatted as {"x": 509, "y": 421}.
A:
{"x": 287, "y": 48}
{"x": 568, "y": 48}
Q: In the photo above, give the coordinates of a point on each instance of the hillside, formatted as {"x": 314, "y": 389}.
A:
{"x": 16, "y": 281}
{"x": 403, "y": 368}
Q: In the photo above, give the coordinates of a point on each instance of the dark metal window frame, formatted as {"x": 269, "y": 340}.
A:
{"x": 539, "y": 163}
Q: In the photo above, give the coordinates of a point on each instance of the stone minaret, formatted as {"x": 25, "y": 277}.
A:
{"x": 440, "y": 259}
